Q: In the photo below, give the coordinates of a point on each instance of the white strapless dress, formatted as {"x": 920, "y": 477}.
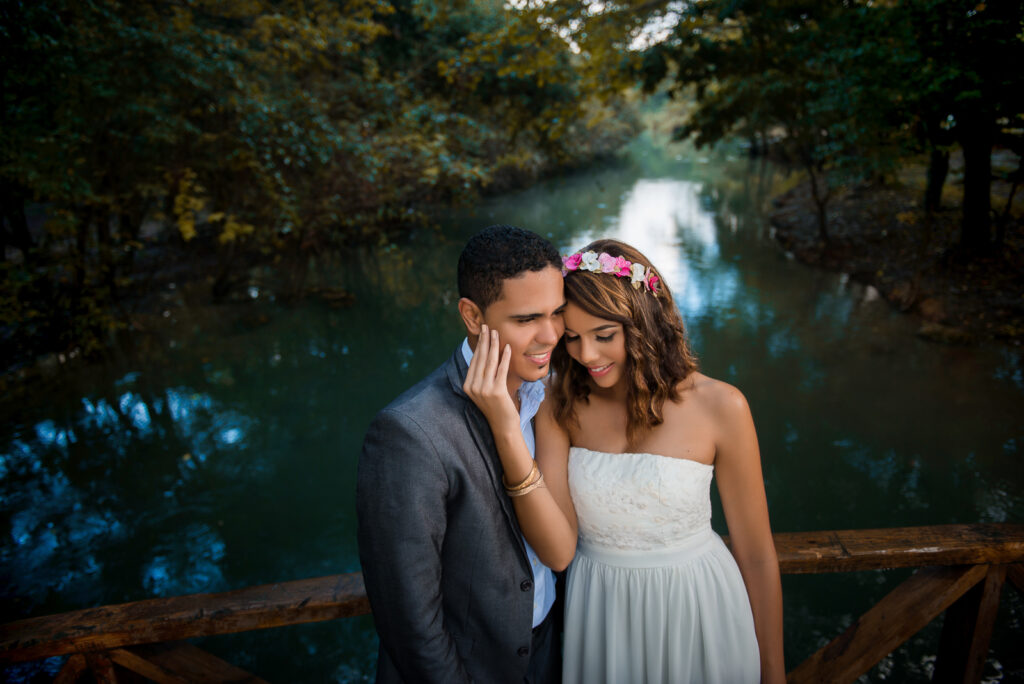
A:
{"x": 653, "y": 594}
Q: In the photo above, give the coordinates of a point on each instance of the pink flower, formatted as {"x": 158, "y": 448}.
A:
{"x": 607, "y": 263}
{"x": 652, "y": 283}
{"x": 622, "y": 267}
{"x": 572, "y": 262}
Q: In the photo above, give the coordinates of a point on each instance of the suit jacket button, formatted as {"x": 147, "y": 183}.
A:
{"x": 523, "y": 651}
{"x": 526, "y": 585}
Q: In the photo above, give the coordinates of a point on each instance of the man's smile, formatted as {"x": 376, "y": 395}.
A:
{"x": 541, "y": 358}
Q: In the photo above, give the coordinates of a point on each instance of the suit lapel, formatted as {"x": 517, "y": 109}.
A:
{"x": 481, "y": 434}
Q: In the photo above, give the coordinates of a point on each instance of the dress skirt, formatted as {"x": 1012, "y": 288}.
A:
{"x": 671, "y": 615}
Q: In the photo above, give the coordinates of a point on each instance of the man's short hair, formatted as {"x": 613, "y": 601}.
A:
{"x": 498, "y": 253}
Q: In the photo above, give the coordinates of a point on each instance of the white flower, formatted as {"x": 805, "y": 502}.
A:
{"x": 590, "y": 262}
{"x": 638, "y": 274}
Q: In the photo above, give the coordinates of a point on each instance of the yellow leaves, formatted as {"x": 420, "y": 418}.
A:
{"x": 187, "y": 227}
{"x": 908, "y": 218}
{"x": 182, "y": 19}
{"x": 186, "y": 203}
{"x": 324, "y": 30}
{"x": 233, "y": 229}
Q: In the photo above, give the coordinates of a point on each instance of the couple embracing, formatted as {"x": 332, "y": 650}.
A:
{"x": 570, "y": 428}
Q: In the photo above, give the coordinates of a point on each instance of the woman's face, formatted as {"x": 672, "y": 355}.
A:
{"x": 597, "y": 344}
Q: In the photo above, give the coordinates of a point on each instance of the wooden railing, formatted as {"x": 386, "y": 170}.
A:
{"x": 961, "y": 570}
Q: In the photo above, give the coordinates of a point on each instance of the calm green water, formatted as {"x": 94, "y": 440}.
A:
{"x": 221, "y": 451}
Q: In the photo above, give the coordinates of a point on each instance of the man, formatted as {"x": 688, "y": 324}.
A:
{"x": 457, "y": 594}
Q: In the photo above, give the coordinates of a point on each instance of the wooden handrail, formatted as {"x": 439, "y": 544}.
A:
{"x": 899, "y": 547}
{"x": 184, "y": 617}
{"x": 956, "y": 558}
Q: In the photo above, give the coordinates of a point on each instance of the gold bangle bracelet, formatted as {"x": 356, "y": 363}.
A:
{"x": 527, "y": 481}
{"x": 539, "y": 482}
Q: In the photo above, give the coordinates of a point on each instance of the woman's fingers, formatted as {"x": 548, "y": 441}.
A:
{"x": 493, "y": 358}
{"x": 475, "y": 373}
{"x": 483, "y": 345}
{"x": 506, "y": 359}
{"x": 488, "y": 369}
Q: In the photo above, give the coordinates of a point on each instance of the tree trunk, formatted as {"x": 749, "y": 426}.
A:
{"x": 821, "y": 196}
{"x": 976, "y": 140}
{"x": 107, "y": 257}
{"x": 12, "y": 212}
{"x": 81, "y": 256}
{"x": 938, "y": 169}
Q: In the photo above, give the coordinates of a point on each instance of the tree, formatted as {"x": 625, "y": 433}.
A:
{"x": 255, "y": 125}
{"x": 968, "y": 80}
{"x": 847, "y": 85}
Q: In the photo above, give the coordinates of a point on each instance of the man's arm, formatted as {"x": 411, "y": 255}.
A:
{"x": 400, "y": 501}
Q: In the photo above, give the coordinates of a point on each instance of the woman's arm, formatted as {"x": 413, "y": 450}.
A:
{"x": 741, "y": 486}
{"x": 545, "y": 514}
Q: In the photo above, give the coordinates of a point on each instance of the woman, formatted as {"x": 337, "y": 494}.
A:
{"x": 628, "y": 439}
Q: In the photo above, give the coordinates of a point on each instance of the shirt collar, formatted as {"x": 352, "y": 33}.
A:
{"x": 531, "y": 394}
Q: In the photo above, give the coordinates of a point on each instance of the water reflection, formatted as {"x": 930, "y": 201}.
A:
{"x": 64, "y": 513}
{"x": 221, "y": 453}
{"x": 667, "y": 221}
{"x": 185, "y": 564}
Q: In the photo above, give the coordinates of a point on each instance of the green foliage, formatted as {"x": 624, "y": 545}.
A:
{"x": 264, "y": 125}
{"x": 764, "y": 70}
{"x": 848, "y": 89}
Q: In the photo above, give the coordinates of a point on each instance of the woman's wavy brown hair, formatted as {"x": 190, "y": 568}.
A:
{"x": 658, "y": 355}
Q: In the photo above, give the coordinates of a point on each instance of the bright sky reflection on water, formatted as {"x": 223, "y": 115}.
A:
{"x": 659, "y": 217}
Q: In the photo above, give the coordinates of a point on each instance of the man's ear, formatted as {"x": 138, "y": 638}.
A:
{"x": 472, "y": 316}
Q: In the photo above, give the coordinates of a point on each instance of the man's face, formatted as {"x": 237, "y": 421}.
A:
{"x": 528, "y": 317}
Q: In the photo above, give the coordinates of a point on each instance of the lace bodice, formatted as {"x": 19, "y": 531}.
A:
{"x": 638, "y": 501}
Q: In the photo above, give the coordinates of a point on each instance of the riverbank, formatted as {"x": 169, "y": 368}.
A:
{"x": 47, "y": 323}
{"x": 879, "y": 236}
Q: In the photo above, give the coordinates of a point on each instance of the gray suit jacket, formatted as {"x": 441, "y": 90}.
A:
{"x": 442, "y": 555}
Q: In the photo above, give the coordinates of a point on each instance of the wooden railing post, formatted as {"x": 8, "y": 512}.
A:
{"x": 102, "y": 668}
{"x": 890, "y": 622}
{"x": 967, "y": 630}
{"x": 72, "y": 670}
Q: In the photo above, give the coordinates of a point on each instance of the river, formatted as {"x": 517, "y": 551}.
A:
{"x": 219, "y": 450}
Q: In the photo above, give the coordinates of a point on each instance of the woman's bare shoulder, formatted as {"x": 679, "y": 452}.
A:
{"x": 715, "y": 396}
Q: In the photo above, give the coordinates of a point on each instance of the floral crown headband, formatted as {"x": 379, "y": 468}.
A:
{"x": 620, "y": 267}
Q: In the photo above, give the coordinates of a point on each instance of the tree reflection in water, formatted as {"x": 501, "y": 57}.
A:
{"x": 61, "y": 487}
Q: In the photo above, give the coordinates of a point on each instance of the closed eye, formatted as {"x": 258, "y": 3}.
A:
{"x": 605, "y": 338}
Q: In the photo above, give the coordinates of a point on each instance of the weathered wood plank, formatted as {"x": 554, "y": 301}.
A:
{"x": 72, "y": 671}
{"x": 139, "y": 665}
{"x": 101, "y": 667}
{"x": 890, "y": 622}
{"x": 967, "y": 630}
{"x": 184, "y": 617}
{"x": 899, "y": 547}
{"x": 181, "y": 662}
